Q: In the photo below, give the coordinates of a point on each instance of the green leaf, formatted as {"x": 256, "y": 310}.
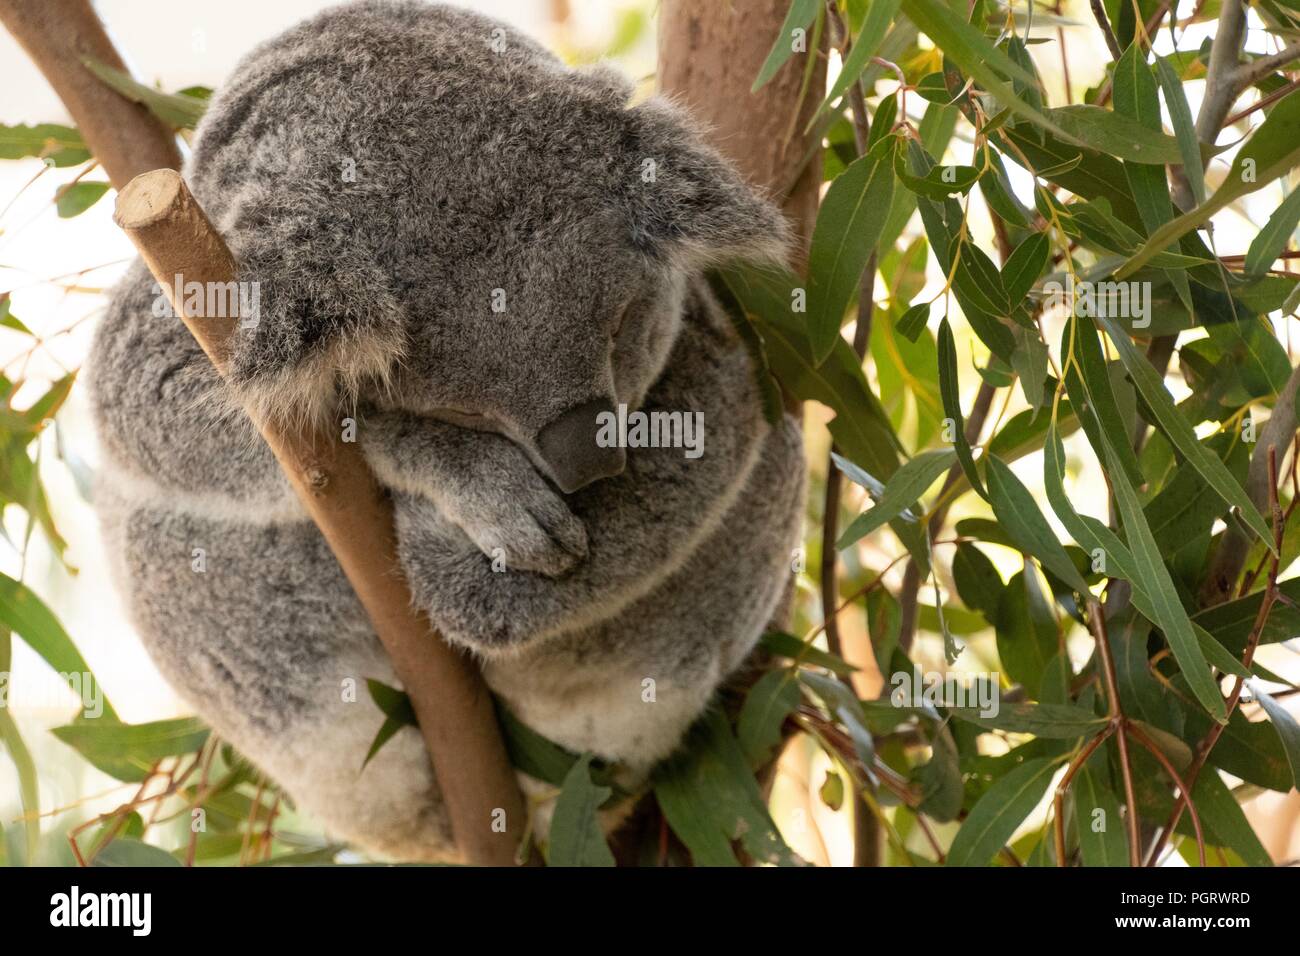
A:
{"x": 174, "y": 109}
{"x": 1084, "y": 172}
{"x": 995, "y": 185}
{"x": 832, "y": 790}
{"x": 1025, "y": 265}
{"x": 532, "y": 753}
{"x": 398, "y": 713}
{"x": 996, "y": 815}
{"x": 1116, "y": 135}
{"x": 861, "y": 426}
{"x": 22, "y": 612}
{"x": 911, "y": 323}
{"x": 28, "y": 782}
{"x": 709, "y": 797}
{"x": 1087, "y": 378}
{"x": 576, "y": 838}
{"x": 129, "y": 751}
{"x": 798, "y": 17}
{"x": 1288, "y": 729}
{"x": 1272, "y": 239}
{"x": 942, "y": 787}
{"x": 60, "y": 146}
{"x": 1030, "y": 362}
{"x": 74, "y": 199}
{"x": 880, "y": 15}
{"x": 769, "y": 702}
{"x": 848, "y": 227}
{"x": 1247, "y": 749}
{"x": 128, "y": 852}
{"x": 1027, "y": 635}
{"x": 787, "y": 645}
{"x": 900, "y": 493}
{"x": 1222, "y": 815}
{"x": 1270, "y": 152}
{"x": 978, "y": 583}
{"x": 9, "y": 320}
{"x": 842, "y": 703}
{"x": 1179, "y": 432}
{"x": 1102, "y": 841}
{"x": 949, "y": 391}
{"x": 1136, "y": 97}
{"x": 1158, "y": 586}
{"x": 978, "y": 57}
{"x": 940, "y": 182}
{"x": 1052, "y": 721}
{"x": 1184, "y": 127}
{"x": 1019, "y": 514}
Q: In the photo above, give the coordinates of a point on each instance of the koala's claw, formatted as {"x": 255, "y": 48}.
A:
{"x": 541, "y": 536}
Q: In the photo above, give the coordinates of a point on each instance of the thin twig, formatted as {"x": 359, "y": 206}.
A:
{"x": 1103, "y": 21}
{"x": 1186, "y": 794}
{"x": 1058, "y": 798}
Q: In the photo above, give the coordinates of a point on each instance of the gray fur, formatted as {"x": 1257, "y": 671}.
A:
{"x": 476, "y": 171}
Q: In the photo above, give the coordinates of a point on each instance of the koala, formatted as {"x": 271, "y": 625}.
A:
{"x": 472, "y": 255}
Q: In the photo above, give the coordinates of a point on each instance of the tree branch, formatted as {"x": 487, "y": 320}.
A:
{"x": 1103, "y": 21}
{"x": 125, "y": 137}
{"x": 1257, "y": 69}
{"x": 335, "y": 485}
{"x": 1220, "y": 76}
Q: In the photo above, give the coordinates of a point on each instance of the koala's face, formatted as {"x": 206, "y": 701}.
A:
{"x": 563, "y": 293}
{"x": 537, "y": 335}
{"x": 512, "y": 254}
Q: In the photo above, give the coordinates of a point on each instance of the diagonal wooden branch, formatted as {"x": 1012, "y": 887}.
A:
{"x": 331, "y": 477}
{"x": 124, "y": 137}
{"x": 450, "y": 699}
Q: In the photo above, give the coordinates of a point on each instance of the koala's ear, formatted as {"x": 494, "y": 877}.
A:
{"x": 688, "y": 202}
{"x": 325, "y": 326}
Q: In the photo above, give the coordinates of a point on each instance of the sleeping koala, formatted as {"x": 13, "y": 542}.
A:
{"x": 468, "y": 253}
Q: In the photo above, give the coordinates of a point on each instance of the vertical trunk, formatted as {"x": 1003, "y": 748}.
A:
{"x": 709, "y": 53}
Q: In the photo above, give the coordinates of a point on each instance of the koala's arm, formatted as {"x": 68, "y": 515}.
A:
{"x": 640, "y": 526}
{"x": 482, "y": 484}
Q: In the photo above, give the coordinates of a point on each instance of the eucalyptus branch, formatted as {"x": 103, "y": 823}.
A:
{"x": 1103, "y": 21}
{"x": 1257, "y": 69}
{"x": 1115, "y": 710}
{"x": 1185, "y": 795}
{"x": 1221, "y": 86}
{"x": 1058, "y": 797}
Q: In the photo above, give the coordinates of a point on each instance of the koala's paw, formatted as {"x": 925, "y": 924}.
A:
{"x": 525, "y": 526}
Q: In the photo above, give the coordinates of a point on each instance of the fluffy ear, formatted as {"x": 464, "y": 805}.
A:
{"x": 324, "y": 324}
{"x": 690, "y": 203}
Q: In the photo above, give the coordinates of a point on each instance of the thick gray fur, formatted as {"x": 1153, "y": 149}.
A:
{"x": 476, "y": 170}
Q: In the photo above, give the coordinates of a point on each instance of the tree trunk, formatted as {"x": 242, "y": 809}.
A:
{"x": 710, "y": 51}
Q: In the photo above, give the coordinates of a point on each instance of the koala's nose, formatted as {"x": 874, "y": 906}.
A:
{"x": 569, "y": 447}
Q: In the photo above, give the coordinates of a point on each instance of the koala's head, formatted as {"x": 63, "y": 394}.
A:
{"x": 514, "y": 250}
